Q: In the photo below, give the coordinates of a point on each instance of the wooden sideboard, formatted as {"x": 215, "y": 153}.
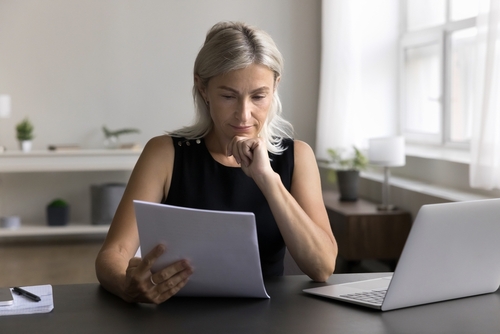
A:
{"x": 363, "y": 232}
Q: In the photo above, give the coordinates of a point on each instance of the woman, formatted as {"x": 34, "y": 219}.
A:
{"x": 239, "y": 155}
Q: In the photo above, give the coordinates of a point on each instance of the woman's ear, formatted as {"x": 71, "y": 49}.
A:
{"x": 276, "y": 82}
{"x": 201, "y": 87}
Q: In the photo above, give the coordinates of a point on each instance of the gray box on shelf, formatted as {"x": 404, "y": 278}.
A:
{"x": 104, "y": 202}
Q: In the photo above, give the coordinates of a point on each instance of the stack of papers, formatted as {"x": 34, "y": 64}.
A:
{"x": 23, "y": 305}
{"x": 222, "y": 247}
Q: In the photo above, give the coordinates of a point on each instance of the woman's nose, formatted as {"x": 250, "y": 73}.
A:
{"x": 244, "y": 111}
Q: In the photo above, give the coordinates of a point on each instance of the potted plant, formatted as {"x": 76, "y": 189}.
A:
{"x": 24, "y": 131}
{"x": 345, "y": 172}
{"x": 57, "y": 213}
{"x": 113, "y": 137}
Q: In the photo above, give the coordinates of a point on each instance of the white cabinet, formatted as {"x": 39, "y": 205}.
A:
{"x": 28, "y": 181}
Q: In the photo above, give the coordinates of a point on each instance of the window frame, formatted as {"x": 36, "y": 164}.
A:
{"x": 440, "y": 35}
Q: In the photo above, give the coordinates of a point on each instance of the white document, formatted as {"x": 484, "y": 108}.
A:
{"x": 221, "y": 246}
{"x": 23, "y": 305}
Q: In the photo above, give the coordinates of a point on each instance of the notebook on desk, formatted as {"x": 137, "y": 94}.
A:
{"x": 452, "y": 251}
{"x": 222, "y": 246}
{"x": 23, "y": 305}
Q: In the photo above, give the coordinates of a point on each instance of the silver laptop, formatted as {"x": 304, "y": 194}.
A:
{"x": 452, "y": 251}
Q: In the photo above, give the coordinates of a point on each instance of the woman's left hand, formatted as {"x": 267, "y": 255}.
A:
{"x": 251, "y": 154}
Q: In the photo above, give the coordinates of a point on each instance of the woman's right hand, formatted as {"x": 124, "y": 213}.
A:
{"x": 142, "y": 286}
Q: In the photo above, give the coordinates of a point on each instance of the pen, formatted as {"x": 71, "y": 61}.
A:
{"x": 26, "y": 294}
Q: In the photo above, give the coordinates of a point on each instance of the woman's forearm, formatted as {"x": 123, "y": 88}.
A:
{"x": 313, "y": 248}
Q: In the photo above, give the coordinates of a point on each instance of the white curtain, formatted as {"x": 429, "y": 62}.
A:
{"x": 358, "y": 80}
{"x": 339, "y": 75}
{"x": 485, "y": 142}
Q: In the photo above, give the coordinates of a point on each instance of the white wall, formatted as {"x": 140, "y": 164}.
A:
{"x": 72, "y": 66}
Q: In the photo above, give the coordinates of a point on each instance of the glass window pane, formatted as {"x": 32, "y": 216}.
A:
{"x": 463, "y": 9}
{"x": 423, "y": 90}
{"x": 462, "y": 84}
{"x": 425, "y": 13}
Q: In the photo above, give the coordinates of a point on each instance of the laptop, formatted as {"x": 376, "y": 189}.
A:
{"x": 452, "y": 251}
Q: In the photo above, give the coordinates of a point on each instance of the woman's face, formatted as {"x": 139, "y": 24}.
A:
{"x": 239, "y": 101}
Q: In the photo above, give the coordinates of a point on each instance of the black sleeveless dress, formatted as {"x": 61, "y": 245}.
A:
{"x": 198, "y": 181}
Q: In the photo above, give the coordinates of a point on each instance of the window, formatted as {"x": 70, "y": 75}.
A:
{"x": 437, "y": 59}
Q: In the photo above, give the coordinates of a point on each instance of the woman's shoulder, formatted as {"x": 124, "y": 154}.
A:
{"x": 296, "y": 150}
{"x": 159, "y": 141}
{"x": 301, "y": 144}
{"x": 298, "y": 146}
{"x": 158, "y": 147}
{"x": 172, "y": 140}
{"x": 154, "y": 164}
{"x": 302, "y": 149}
{"x": 292, "y": 142}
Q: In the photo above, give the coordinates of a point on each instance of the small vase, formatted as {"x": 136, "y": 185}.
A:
{"x": 347, "y": 181}
{"x": 26, "y": 145}
{"x": 112, "y": 142}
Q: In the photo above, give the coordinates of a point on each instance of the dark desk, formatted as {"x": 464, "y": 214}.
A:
{"x": 88, "y": 308}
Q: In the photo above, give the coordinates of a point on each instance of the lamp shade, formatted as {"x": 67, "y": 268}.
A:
{"x": 4, "y": 106}
{"x": 387, "y": 151}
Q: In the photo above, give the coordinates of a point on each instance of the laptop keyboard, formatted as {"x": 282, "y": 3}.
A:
{"x": 374, "y": 296}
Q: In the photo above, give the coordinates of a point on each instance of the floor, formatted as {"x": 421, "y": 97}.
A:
{"x": 55, "y": 262}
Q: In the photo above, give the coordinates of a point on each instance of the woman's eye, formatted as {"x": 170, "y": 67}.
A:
{"x": 259, "y": 97}
{"x": 227, "y": 97}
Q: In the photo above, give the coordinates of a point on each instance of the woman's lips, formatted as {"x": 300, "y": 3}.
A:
{"x": 240, "y": 128}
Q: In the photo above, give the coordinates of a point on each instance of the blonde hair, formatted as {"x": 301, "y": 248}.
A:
{"x": 232, "y": 46}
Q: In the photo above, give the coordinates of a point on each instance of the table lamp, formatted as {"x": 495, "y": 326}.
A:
{"x": 5, "y": 107}
{"x": 387, "y": 152}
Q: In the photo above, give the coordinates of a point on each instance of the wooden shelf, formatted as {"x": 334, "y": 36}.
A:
{"x": 81, "y": 160}
{"x": 44, "y": 231}
{"x": 74, "y": 160}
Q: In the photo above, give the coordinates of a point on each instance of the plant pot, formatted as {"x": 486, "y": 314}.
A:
{"x": 347, "y": 182}
{"x": 104, "y": 202}
{"x": 25, "y": 145}
{"x": 57, "y": 216}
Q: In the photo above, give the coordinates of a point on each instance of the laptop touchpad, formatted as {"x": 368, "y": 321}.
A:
{"x": 381, "y": 283}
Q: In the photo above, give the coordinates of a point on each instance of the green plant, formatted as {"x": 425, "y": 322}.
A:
{"x": 355, "y": 160}
{"x": 58, "y": 203}
{"x": 341, "y": 160}
{"x": 24, "y": 130}
{"x": 110, "y": 134}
